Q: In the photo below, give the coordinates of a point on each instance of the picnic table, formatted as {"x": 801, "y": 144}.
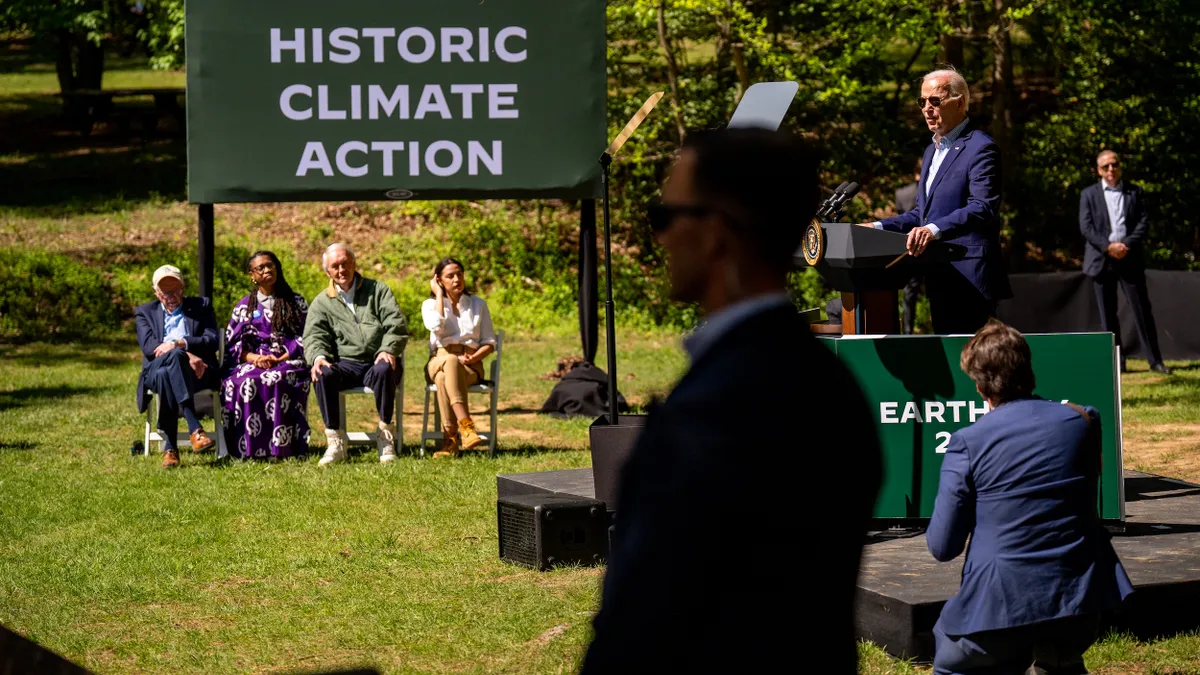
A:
{"x": 86, "y": 107}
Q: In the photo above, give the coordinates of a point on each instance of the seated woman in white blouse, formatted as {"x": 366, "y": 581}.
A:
{"x": 460, "y": 337}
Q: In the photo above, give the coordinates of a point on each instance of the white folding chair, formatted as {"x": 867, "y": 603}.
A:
{"x": 152, "y": 434}
{"x": 360, "y": 437}
{"x": 491, "y": 386}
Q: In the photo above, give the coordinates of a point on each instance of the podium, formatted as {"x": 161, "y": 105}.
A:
{"x": 868, "y": 266}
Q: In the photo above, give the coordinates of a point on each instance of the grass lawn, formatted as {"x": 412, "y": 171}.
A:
{"x": 123, "y": 567}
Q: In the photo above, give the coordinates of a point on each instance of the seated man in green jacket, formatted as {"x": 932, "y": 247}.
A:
{"x": 354, "y": 337}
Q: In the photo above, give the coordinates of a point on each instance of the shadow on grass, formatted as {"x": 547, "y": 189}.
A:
{"x": 20, "y": 398}
{"x": 79, "y": 175}
{"x": 107, "y": 351}
{"x": 1177, "y": 392}
{"x": 17, "y": 445}
{"x": 49, "y": 168}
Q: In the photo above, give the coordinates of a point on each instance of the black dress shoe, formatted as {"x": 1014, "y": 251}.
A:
{"x": 1161, "y": 368}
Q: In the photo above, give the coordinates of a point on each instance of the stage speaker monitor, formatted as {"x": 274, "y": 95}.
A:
{"x": 543, "y": 531}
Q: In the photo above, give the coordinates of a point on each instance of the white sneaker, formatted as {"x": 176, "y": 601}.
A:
{"x": 335, "y": 448}
{"x": 386, "y": 440}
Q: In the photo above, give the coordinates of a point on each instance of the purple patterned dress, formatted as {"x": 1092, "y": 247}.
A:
{"x": 265, "y": 409}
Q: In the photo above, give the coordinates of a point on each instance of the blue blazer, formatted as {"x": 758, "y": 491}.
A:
{"x": 200, "y": 328}
{"x": 964, "y": 203}
{"x": 703, "y": 518}
{"x": 1022, "y": 482}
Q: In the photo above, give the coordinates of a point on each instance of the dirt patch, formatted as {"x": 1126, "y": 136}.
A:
{"x": 566, "y": 580}
{"x": 1120, "y": 669}
{"x": 548, "y": 636}
{"x": 1165, "y": 449}
{"x": 231, "y": 582}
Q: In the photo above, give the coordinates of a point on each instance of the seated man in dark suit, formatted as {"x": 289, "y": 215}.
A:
{"x": 767, "y": 436}
{"x": 178, "y": 337}
{"x": 1022, "y": 484}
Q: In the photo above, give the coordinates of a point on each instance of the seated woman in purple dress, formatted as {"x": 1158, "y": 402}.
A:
{"x": 266, "y": 388}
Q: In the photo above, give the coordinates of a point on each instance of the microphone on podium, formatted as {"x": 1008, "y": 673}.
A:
{"x": 831, "y": 209}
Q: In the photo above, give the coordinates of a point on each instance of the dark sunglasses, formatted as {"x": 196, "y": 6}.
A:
{"x": 935, "y": 101}
{"x": 663, "y": 215}
{"x": 1111, "y": 165}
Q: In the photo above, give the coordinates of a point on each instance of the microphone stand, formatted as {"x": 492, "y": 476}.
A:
{"x": 610, "y": 314}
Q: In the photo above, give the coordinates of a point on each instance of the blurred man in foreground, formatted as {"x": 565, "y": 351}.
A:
{"x": 1021, "y": 483}
{"x": 723, "y": 537}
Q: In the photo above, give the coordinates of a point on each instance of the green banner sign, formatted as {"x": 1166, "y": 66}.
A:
{"x": 312, "y": 100}
{"x": 919, "y": 396}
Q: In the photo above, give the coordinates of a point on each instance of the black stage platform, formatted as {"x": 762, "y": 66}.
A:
{"x": 901, "y": 588}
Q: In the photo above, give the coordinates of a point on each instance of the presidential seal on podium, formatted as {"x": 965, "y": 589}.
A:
{"x": 813, "y": 245}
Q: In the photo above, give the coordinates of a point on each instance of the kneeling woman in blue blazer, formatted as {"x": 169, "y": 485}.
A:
{"x": 1022, "y": 484}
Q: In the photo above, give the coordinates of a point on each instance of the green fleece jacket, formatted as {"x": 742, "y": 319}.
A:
{"x": 376, "y": 324}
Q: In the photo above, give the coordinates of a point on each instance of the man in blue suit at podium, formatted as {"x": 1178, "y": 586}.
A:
{"x": 958, "y": 200}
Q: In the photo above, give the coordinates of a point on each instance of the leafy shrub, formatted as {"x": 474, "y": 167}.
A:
{"x": 49, "y": 296}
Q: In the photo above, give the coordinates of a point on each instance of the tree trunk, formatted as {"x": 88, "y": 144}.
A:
{"x": 64, "y": 65}
{"x": 78, "y": 62}
{"x": 664, "y": 42}
{"x": 895, "y": 105}
{"x": 951, "y": 51}
{"x": 739, "y": 62}
{"x": 89, "y": 69}
{"x": 1002, "y": 126}
{"x": 738, "y": 49}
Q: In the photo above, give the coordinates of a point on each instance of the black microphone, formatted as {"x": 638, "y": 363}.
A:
{"x": 826, "y": 207}
{"x": 845, "y": 196}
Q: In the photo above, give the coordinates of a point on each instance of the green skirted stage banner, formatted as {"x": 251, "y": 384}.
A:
{"x": 293, "y": 100}
{"x": 919, "y": 396}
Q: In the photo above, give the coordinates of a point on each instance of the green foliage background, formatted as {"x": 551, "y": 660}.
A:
{"x": 1086, "y": 75}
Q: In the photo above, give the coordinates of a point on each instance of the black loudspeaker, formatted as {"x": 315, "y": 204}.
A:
{"x": 542, "y": 531}
{"x": 610, "y": 446}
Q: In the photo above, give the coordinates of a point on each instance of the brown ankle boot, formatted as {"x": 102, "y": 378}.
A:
{"x": 449, "y": 445}
{"x": 470, "y": 437}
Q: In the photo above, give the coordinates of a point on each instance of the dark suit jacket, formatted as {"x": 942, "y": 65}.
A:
{"x": 964, "y": 202}
{"x": 200, "y": 327}
{"x": 1095, "y": 226}
{"x": 741, "y": 509}
{"x": 1022, "y": 482}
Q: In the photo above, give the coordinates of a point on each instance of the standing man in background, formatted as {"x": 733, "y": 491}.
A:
{"x": 1114, "y": 221}
{"x": 906, "y": 200}
{"x": 958, "y": 200}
